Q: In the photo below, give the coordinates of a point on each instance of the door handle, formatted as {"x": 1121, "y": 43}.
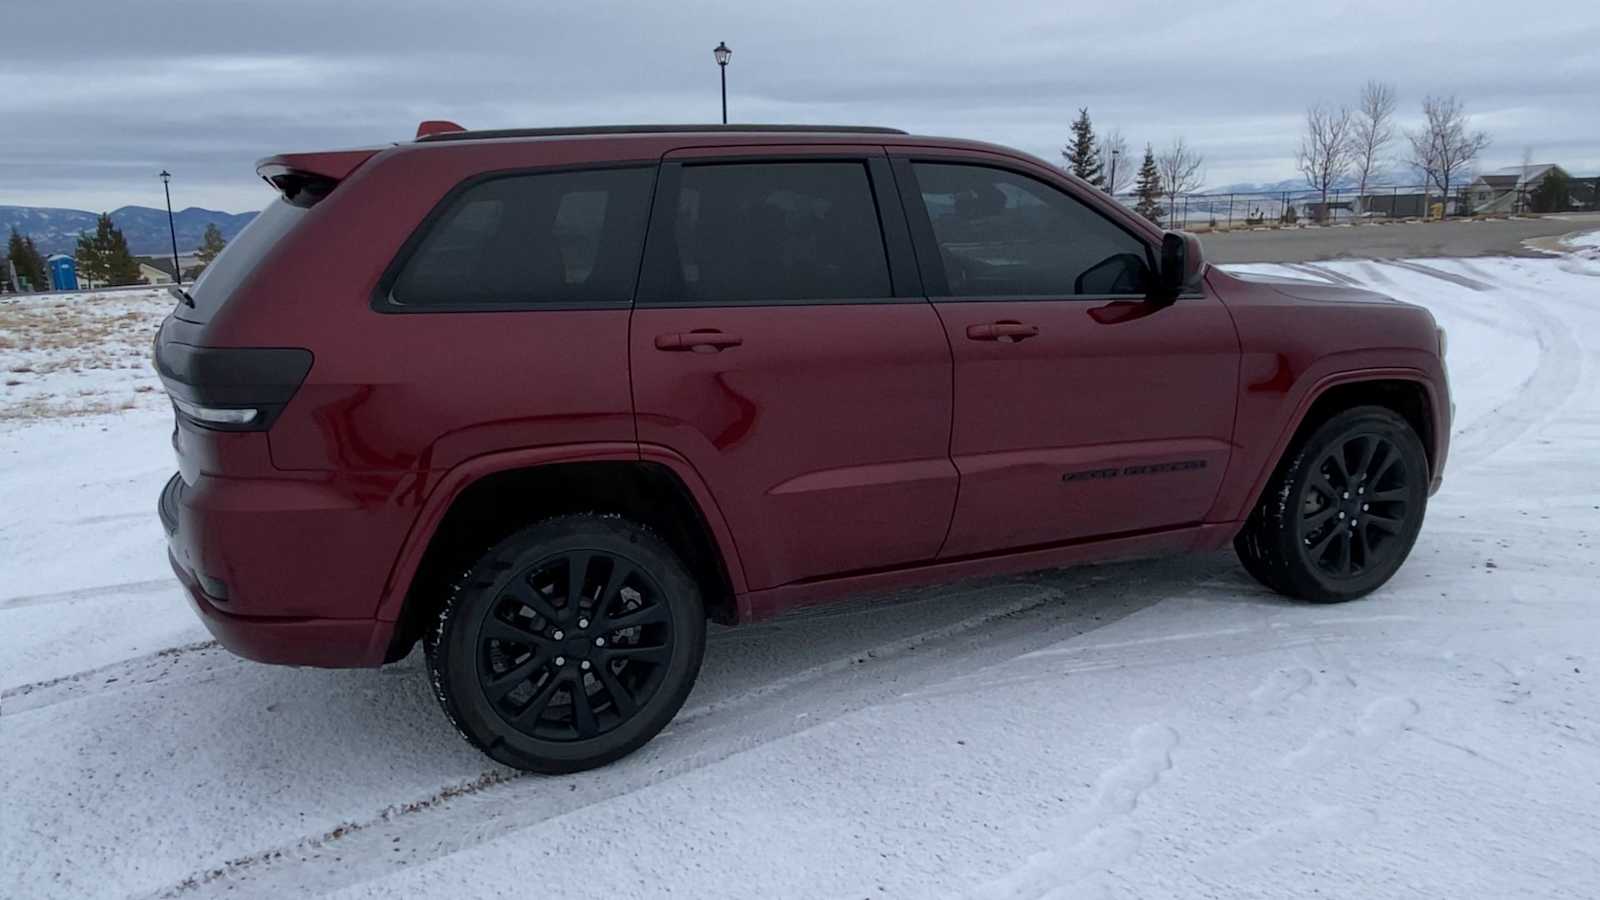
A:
{"x": 701, "y": 340}
{"x": 1007, "y": 331}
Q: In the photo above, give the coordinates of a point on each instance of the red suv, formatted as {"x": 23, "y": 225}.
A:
{"x": 547, "y": 400}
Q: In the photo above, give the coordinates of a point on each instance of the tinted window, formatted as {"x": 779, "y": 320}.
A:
{"x": 776, "y": 231}
{"x": 557, "y": 238}
{"x": 1003, "y": 234}
{"x": 239, "y": 259}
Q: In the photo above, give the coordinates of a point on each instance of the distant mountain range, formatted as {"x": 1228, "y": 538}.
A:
{"x": 56, "y": 230}
{"x": 1299, "y": 185}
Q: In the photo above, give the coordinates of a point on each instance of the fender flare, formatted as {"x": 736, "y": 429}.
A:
{"x": 1308, "y": 398}
{"x": 453, "y": 482}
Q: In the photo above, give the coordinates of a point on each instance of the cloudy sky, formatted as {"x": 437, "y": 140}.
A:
{"x": 102, "y": 94}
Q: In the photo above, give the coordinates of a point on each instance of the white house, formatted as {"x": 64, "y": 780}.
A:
{"x": 1509, "y": 189}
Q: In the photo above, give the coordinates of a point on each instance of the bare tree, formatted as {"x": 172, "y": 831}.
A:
{"x": 1374, "y": 129}
{"x": 1113, "y": 146}
{"x": 1179, "y": 166}
{"x": 1443, "y": 149}
{"x": 1325, "y": 150}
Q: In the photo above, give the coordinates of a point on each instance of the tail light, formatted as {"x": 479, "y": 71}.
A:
{"x": 231, "y": 388}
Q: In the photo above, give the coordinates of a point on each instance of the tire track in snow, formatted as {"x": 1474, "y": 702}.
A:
{"x": 1325, "y": 274}
{"x": 1555, "y": 378}
{"x": 186, "y": 660}
{"x": 1453, "y": 278}
{"x": 890, "y": 648}
{"x": 1056, "y": 662}
{"x": 90, "y": 593}
{"x": 506, "y": 801}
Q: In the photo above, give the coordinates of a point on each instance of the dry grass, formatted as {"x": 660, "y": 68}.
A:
{"x": 78, "y": 354}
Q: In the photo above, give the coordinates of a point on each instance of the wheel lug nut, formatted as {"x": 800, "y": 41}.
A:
{"x": 558, "y": 635}
{"x": 599, "y": 642}
{"x": 1341, "y": 515}
{"x": 561, "y": 660}
{"x": 1361, "y": 490}
{"x": 1347, "y": 495}
{"x": 1363, "y": 507}
{"x": 583, "y": 623}
{"x": 584, "y": 665}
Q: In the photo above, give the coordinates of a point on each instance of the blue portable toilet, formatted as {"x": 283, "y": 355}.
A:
{"x": 63, "y": 273}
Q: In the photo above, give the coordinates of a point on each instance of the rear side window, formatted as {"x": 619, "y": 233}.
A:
{"x": 754, "y": 232}
{"x": 237, "y": 260}
{"x": 550, "y": 239}
{"x": 1004, "y": 234}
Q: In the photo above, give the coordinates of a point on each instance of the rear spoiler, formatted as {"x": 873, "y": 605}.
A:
{"x": 305, "y": 178}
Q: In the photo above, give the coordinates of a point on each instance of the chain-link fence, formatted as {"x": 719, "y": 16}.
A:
{"x": 1342, "y": 206}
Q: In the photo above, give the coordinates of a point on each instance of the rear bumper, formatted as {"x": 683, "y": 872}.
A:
{"x": 223, "y": 587}
{"x": 328, "y": 643}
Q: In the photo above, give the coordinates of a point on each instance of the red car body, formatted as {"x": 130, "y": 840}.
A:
{"x": 820, "y": 449}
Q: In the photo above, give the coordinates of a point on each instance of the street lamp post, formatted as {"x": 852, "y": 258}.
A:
{"x": 172, "y": 229}
{"x": 723, "y": 54}
{"x": 1111, "y": 186}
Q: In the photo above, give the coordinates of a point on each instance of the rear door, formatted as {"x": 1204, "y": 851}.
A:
{"x": 780, "y": 341}
{"x": 1081, "y": 409}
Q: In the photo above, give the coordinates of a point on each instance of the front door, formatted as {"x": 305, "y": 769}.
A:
{"x": 780, "y": 341}
{"x": 1081, "y": 409}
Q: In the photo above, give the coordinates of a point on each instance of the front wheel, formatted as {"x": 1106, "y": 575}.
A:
{"x": 569, "y": 645}
{"x": 1342, "y": 511}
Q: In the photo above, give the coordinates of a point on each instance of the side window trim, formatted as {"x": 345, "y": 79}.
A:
{"x": 929, "y": 260}
{"x": 656, "y": 282}
{"x": 382, "y": 299}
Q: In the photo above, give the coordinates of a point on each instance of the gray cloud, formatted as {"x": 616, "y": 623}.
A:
{"x": 105, "y": 93}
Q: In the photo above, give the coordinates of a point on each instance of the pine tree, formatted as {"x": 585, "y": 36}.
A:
{"x": 38, "y": 269}
{"x": 210, "y": 245}
{"x": 91, "y": 259}
{"x": 30, "y": 265}
{"x": 104, "y": 258}
{"x": 1083, "y": 154}
{"x": 122, "y": 267}
{"x": 1147, "y": 187}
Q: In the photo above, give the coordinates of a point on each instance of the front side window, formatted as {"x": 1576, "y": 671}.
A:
{"x": 1004, "y": 234}
{"x": 754, "y": 232}
{"x": 554, "y": 238}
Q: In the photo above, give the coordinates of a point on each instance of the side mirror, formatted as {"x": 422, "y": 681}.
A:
{"x": 1182, "y": 266}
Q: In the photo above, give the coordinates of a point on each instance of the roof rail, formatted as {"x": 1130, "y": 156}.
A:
{"x": 646, "y": 129}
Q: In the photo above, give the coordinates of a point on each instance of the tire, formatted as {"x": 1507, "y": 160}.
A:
{"x": 1342, "y": 510}
{"x": 545, "y": 678}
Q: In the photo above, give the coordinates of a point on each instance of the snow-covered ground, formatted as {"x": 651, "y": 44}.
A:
{"x": 1158, "y": 729}
{"x": 79, "y": 354}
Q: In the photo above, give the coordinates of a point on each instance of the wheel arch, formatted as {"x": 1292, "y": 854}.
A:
{"x": 484, "y": 499}
{"x": 1406, "y": 391}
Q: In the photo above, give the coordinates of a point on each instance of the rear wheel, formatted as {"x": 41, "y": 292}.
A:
{"x": 569, "y": 644}
{"x": 1341, "y": 513}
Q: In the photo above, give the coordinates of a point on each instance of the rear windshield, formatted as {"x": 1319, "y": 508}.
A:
{"x": 238, "y": 259}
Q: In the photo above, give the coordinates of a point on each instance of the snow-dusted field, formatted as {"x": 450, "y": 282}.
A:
{"x": 1161, "y": 729}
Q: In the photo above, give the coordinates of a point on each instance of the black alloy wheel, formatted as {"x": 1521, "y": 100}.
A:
{"x": 1341, "y": 512}
{"x": 570, "y": 644}
{"x": 575, "y": 643}
{"x": 1353, "y": 509}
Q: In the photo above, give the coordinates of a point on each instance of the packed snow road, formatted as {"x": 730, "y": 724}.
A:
{"x": 1156, "y": 729}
